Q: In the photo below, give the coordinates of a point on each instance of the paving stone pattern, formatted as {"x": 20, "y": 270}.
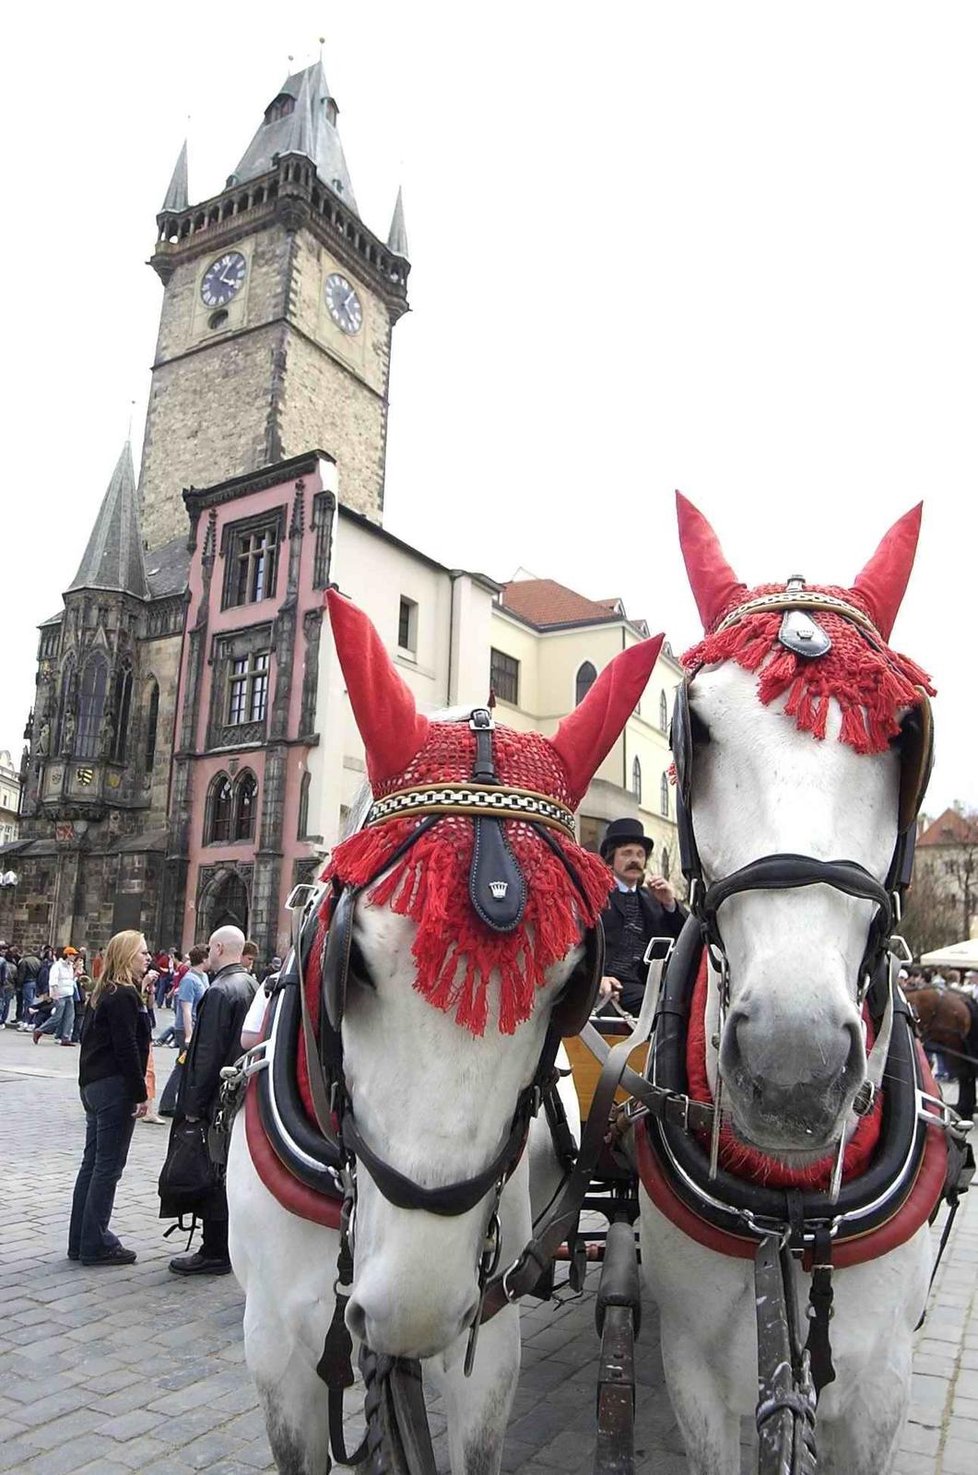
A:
{"x": 103, "y": 1372}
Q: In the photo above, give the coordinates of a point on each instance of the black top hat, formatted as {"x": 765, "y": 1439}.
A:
{"x": 625, "y": 832}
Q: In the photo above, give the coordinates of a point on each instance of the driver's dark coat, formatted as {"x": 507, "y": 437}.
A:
{"x": 658, "y": 923}
{"x": 216, "y": 1039}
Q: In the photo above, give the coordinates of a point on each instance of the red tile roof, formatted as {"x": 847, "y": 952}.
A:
{"x": 544, "y": 602}
{"x": 950, "y": 828}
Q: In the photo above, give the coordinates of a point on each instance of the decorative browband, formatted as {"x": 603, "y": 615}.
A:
{"x": 808, "y": 599}
{"x": 469, "y": 800}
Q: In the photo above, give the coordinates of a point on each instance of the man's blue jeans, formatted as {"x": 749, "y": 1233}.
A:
{"x": 109, "y": 1124}
{"x": 27, "y": 1001}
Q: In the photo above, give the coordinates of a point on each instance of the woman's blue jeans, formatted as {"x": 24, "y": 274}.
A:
{"x": 109, "y": 1124}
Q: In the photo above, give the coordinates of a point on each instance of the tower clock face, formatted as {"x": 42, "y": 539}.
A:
{"x": 343, "y": 303}
{"x": 222, "y": 279}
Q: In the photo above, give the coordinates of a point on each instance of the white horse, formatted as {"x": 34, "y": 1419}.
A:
{"x": 433, "y": 1100}
{"x": 791, "y": 1056}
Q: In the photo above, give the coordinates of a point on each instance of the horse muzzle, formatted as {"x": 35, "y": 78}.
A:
{"x": 789, "y": 1092}
{"x": 417, "y": 1322}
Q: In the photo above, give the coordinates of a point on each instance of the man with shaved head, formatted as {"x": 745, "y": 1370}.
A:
{"x": 214, "y": 1044}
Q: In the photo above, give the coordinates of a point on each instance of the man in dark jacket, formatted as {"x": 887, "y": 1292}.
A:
{"x": 215, "y": 1043}
{"x": 635, "y": 913}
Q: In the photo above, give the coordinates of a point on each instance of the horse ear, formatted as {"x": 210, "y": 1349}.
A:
{"x": 585, "y": 737}
{"x": 712, "y": 580}
{"x": 390, "y": 724}
{"x": 883, "y": 582}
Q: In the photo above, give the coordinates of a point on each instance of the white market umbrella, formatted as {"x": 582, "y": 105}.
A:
{"x": 957, "y": 955}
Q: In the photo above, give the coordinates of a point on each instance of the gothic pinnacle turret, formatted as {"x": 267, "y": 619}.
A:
{"x": 176, "y": 196}
{"x": 397, "y": 240}
{"x": 114, "y": 556}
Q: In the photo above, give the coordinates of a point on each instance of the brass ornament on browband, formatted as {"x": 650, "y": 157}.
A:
{"x": 472, "y": 802}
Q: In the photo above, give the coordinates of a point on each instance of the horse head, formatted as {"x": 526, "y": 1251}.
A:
{"x": 792, "y": 758}
{"x": 474, "y": 913}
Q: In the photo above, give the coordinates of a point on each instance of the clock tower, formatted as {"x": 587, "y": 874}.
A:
{"x": 278, "y": 308}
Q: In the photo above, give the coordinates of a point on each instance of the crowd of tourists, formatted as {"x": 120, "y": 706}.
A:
{"x": 109, "y": 1007}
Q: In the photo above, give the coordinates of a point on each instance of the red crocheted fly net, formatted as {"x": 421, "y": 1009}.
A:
{"x": 457, "y": 955}
{"x": 872, "y": 684}
{"x": 748, "y": 1162}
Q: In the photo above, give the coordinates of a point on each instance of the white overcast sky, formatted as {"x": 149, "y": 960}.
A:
{"x": 725, "y": 248}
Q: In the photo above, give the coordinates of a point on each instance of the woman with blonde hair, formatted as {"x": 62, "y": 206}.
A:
{"x": 115, "y": 1040}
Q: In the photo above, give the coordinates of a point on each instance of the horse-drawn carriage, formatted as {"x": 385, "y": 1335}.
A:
{"x": 779, "y": 1141}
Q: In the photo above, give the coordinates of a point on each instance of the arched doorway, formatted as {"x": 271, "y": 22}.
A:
{"x": 222, "y": 902}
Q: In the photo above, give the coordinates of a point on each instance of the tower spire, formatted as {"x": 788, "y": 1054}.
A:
{"x": 301, "y": 118}
{"x": 114, "y": 556}
{"x": 397, "y": 240}
{"x": 176, "y": 195}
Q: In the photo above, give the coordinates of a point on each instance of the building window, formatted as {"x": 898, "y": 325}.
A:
{"x": 586, "y": 677}
{"x": 245, "y": 804}
{"x": 248, "y": 694}
{"x": 152, "y": 720}
{"x": 664, "y": 796}
{"x": 663, "y": 711}
{"x": 302, "y": 829}
{"x": 280, "y": 108}
{"x": 666, "y": 862}
{"x": 407, "y": 626}
{"x": 122, "y": 705}
{"x": 504, "y": 676}
{"x": 323, "y": 504}
{"x": 91, "y": 704}
{"x": 637, "y": 780}
{"x": 251, "y": 552}
{"x": 220, "y": 810}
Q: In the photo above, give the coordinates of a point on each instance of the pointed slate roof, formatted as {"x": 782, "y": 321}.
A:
{"x": 114, "y": 556}
{"x": 397, "y": 240}
{"x": 307, "y": 130}
{"x": 176, "y": 195}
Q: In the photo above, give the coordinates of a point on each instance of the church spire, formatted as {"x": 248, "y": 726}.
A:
{"x": 301, "y": 119}
{"x": 114, "y": 556}
{"x": 176, "y": 195}
{"x": 397, "y": 240}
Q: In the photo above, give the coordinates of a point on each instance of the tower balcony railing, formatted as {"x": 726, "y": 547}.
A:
{"x": 293, "y": 179}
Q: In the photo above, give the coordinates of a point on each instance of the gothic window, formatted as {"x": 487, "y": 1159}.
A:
{"x": 121, "y": 706}
{"x": 664, "y": 795}
{"x": 245, "y": 803}
{"x": 220, "y": 806}
{"x": 248, "y": 689}
{"x": 504, "y": 676}
{"x": 637, "y": 779}
{"x": 67, "y": 682}
{"x": 663, "y": 711}
{"x": 586, "y": 677}
{"x": 91, "y": 705}
{"x": 666, "y": 862}
{"x": 303, "y": 825}
{"x": 251, "y": 550}
{"x": 152, "y": 719}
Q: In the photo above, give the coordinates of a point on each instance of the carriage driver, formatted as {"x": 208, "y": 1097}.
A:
{"x": 635, "y": 913}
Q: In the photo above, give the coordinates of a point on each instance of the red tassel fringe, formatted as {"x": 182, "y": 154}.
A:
{"x": 872, "y": 684}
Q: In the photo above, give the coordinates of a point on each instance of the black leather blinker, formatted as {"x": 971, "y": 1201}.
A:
{"x": 497, "y": 888}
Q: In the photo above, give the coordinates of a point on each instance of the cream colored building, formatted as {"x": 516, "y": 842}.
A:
{"x": 435, "y": 622}
{"x": 9, "y": 799}
{"x": 548, "y": 644}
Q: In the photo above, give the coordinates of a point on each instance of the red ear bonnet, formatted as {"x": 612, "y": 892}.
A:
{"x": 712, "y": 580}
{"x": 586, "y": 736}
{"x": 390, "y": 724}
{"x": 883, "y": 582}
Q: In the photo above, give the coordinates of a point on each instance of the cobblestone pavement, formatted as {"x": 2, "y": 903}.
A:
{"x": 104, "y": 1372}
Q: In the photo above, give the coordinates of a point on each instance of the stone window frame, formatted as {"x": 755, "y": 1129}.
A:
{"x": 271, "y": 520}
{"x": 226, "y": 647}
{"x": 636, "y": 779}
{"x": 587, "y": 675}
{"x": 92, "y": 696}
{"x": 223, "y": 808}
{"x": 152, "y": 723}
{"x": 664, "y": 795}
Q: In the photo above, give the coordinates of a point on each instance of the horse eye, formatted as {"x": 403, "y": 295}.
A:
{"x": 698, "y": 730}
{"x": 359, "y": 972}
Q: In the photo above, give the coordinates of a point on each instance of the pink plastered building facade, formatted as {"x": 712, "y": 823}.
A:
{"x": 246, "y": 711}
